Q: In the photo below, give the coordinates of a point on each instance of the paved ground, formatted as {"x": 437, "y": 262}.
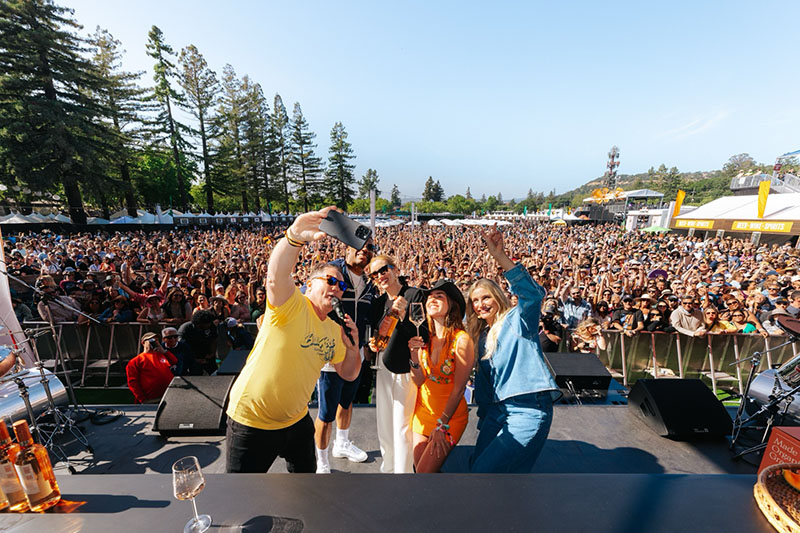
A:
{"x": 583, "y": 439}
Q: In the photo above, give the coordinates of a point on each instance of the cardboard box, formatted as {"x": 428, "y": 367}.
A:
{"x": 783, "y": 447}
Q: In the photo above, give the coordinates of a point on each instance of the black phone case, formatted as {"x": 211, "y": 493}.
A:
{"x": 345, "y": 229}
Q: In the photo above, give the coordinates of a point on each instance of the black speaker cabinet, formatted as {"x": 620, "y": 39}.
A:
{"x": 233, "y": 363}
{"x": 680, "y": 409}
{"x": 194, "y": 405}
{"x": 584, "y": 370}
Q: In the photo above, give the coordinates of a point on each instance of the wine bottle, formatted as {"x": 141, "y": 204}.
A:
{"x": 35, "y": 471}
{"x": 386, "y": 329}
{"x": 9, "y": 483}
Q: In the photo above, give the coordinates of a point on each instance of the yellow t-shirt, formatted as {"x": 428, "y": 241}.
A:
{"x": 274, "y": 387}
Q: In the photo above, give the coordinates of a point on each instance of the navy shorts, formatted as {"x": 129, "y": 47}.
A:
{"x": 333, "y": 391}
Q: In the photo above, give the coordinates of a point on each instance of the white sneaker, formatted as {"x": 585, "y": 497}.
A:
{"x": 349, "y": 450}
{"x": 323, "y": 468}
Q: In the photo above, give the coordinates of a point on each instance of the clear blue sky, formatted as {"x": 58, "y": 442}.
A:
{"x": 502, "y": 96}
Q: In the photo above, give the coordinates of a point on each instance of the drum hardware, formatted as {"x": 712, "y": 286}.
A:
{"x": 788, "y": 374}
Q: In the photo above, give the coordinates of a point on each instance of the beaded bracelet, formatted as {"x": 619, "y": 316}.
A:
{"x": 440, "y": 424}
{"x": 293, "y": 242}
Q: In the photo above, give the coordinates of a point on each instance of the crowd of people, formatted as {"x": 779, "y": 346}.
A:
{"x": 566, "y": 286}
{"x": 625, "y": 281}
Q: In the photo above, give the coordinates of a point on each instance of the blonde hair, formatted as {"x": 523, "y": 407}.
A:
{"x": 476, "y": 325}
{"x": 582, "y": 329}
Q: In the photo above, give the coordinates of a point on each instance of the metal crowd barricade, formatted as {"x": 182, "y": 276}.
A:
{"x": 666, "y": 355}
{"x": 101, "y": 349}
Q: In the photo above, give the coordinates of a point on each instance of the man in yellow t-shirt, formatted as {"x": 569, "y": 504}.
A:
{"x": 267, "y": 412}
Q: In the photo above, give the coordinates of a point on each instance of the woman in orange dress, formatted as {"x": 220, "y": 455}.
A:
{"x": 440, "y": 369}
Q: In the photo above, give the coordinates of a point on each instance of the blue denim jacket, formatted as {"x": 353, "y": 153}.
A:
{"x": 517, "y": 366}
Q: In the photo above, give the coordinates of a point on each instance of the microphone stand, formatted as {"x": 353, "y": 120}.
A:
{"x": 739, "y": 422}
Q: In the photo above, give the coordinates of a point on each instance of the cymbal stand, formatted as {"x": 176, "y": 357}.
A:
{"x": 770, "y": 408}
{"x": 755, "y": 362}
{"x": 61, "y": 423}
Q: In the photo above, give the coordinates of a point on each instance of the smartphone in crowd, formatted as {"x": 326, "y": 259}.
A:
{"x": 345, "y": 229}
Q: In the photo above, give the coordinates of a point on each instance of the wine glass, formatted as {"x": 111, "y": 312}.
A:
{"x": 417, "y": 314}
{"x": 188, "y": 481}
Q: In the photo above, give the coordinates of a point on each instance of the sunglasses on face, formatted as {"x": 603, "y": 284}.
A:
{"x": 381, "y": 271}
{"x": 371, "y": 247}
{"x": 170, "y": 336}
{"x": 333, "y": 280}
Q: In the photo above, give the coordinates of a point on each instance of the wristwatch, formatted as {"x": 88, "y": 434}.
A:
{"x": 414, "y": 365}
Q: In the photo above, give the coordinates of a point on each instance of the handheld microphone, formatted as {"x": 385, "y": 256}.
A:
{"x": 337, "y": 308}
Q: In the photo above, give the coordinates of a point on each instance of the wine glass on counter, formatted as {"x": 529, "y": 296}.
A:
{"x": 417, "y": 314}
{"x": 187, "y": 482}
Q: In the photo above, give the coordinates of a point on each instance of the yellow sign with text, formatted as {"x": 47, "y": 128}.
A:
{"x": 700, "y": 224}
{"x": 762, "y": 225}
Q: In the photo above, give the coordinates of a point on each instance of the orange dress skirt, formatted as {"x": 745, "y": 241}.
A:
{"x": 434, "y": 393}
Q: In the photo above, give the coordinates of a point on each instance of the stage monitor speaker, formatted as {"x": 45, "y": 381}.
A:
{"x": 194, "y": 405}
{"x": 233, "y": 363}
{"x": 680, "y": 409}
{"x": 584, "y": 371}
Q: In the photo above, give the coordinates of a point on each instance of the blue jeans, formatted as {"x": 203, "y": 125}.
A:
{"x": 512, "y": 433}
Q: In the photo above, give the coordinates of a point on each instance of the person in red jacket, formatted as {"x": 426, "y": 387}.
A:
{"x": 150, "y": 372}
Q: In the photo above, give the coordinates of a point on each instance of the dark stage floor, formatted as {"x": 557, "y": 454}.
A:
{"x": 583, "y": 439}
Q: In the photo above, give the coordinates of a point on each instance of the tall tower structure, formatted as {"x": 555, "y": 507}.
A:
{"x": 611, "y": 174}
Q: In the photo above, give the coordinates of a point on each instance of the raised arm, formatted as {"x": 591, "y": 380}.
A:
{"x": 305, "y": 228}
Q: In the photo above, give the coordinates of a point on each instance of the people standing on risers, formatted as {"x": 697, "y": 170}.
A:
{"x": 514, "y": 389}
{"x": 395, "y": 392}
{"x": 336, "y": 395}
{"x": 268, "y": 408}
{"x": 440, "y": 368}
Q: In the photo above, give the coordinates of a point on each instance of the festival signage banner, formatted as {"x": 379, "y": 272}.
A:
{"x": 762, "y": 225}
{"x": 690, "y": 223}
{"x": 678, "y": 203}
{"x": 763, "y": 192}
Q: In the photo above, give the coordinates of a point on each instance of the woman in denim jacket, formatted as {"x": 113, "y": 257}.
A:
{"x": 514, "y": 389}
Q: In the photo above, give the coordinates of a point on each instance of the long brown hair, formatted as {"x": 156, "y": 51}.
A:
{"x": 453, "y": 323}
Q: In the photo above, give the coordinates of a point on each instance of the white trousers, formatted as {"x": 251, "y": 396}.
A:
{"x": 395, "y": 398}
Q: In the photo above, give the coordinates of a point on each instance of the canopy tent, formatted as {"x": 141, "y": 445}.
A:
{"x": 740, "y": 213}
{"x": 36, "y": 217}
{"x": 125, "y": 219}
{"x": 96, "y": 221}
{"x": 448, "y": 222}
{"x": 779, "y": 207}
{"x": 124, "y": 213}
{"x": 60, "y": 218}
{"x": 642, "y": 193}
{"x": 434, "y": 222}
{"x": 16, "y": 218}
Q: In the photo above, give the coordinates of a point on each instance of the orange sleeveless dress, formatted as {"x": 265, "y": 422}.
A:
{"x": 433, "y": 394}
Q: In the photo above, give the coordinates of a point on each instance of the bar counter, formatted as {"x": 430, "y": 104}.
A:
{"x": 382, "y": 502}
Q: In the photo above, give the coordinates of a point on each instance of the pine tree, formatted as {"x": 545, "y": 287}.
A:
{"x": 50, "y": 128}
{"x": 201, "y": 87}
{"x": 367, "y": 183}
{"x": 438, "y": 192}
{"x": 340, "y": 169}
{"x": 280, "y": 148}
{"x": 168, "y": 128}
{"x": 306, "y": 166}
{"x": 123, "y": 98}
{"x": 231, "y": 112}
{"x": 429, "y": 192}
{"x": 255, "y": 133}
{"x": 395, "y": 196}
{"x": 500, "y": 197}
{"x": 468, "y": 196}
